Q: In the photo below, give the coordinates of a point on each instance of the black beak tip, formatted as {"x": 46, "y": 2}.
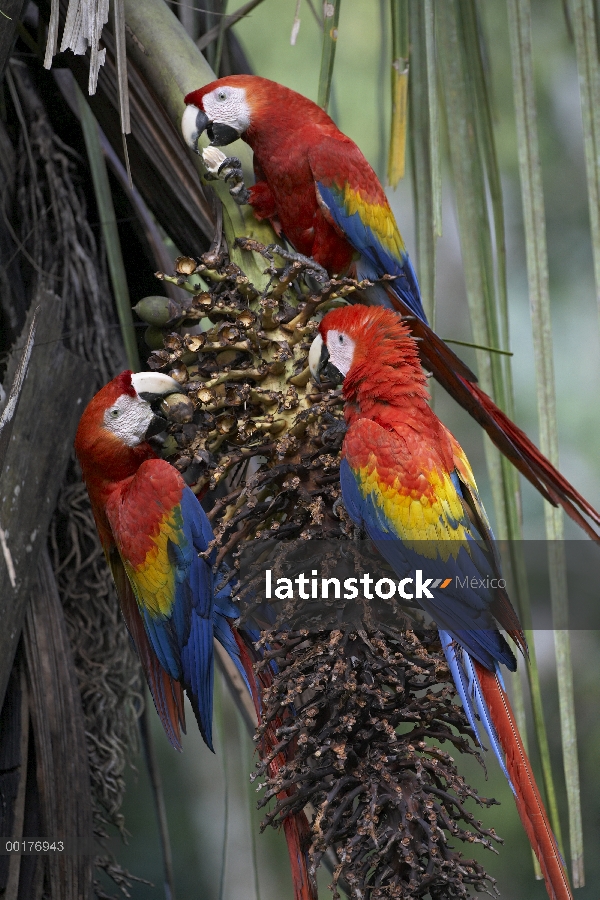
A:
{"x": 221, "y": 135}
{"x": 157, "y": 424}
{"x": 323, "y": 363}
{"x": 202, "y": 121}
{"x": 326, "y": 371}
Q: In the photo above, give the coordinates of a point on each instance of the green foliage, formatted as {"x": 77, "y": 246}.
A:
{"x": 537, "y": 268}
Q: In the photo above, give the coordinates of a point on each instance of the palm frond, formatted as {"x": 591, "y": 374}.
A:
{"x": 474, "y": 164}
{"x": 331, "y": 17}
{"x": 400, "y": 66}
{"x": 471, "y": 203}
{"x": 110, "y": 231}
{"x": 586, "y": 46}
{"x": 422, "y": 163}
{"x": 539, "y": 298}
{"x": 434, "y": 126}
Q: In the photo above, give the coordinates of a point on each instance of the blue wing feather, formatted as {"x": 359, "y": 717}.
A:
{"x": 225, "y": 610}
{"x": 462, "y": 618}
{"x": 351, "y": 493}
{"x": 174, "y": 590}
{"x": 198, "y": 673}
{"x": 460, "y": 608}
{"x": 191, "y": 619}
{"x": 182, "y": 639}
{"x": 375, "y": 259}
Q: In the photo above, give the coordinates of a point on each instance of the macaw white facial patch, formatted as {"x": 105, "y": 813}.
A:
{"x": 128, "y": 419}
{"x": 341, "y": 351}
{"x": 228, "y": 106}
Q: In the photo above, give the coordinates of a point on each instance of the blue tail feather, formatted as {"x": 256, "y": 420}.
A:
{"x": 469, "y": 690}
{"x": 225, "y": 610}
{"x": 485, "y": 717}
{"x": 460, "y": 680}
{"x": 225, "y": 637}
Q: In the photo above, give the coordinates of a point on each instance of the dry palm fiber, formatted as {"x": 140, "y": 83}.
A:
{"x": 59, "y": 251}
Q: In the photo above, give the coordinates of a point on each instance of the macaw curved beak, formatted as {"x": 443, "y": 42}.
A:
{"x": 195, "y": 122}
{"x": 153, "y": 386}
{"x": 220, "y": 134}
{"x": 319, "y": 365}
{"x": 318, "y": 356}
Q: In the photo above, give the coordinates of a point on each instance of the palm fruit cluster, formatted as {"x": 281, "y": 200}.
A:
{"x": 357, "y": 712}
{"x": 240, "y": 356}
{"x": 371, "y": 707}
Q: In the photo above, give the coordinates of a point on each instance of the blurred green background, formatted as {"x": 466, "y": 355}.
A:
{"x": 194, "y": 781}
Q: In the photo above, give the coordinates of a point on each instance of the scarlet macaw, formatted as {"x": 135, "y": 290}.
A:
{"x": 407, "y": 482}
{"x": 152, "y": 529}
{"x": 316, "y": 187}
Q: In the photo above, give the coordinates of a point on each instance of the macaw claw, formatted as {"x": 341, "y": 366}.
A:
{"x": 317, "y": 271}
{"x": 230, "y": 167}
{"x": 231, "y": 170}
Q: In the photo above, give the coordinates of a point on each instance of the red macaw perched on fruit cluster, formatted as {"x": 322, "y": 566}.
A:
{"x": 408, "y": 483}
{"x": 314, "y": 184}
{"x": 152, "y": 529}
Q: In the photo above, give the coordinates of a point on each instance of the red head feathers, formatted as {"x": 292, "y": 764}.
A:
{"x": 261, "y": 95}
{"x": 259, "y": 109}
{"x": 110, "y": 439}
{"x": 374, "y": 351}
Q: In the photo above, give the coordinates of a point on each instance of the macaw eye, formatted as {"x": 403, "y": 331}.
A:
{"x": 115, "y": 413}
{"x": 341, "y": 338}
{"x": 222, "y": 95}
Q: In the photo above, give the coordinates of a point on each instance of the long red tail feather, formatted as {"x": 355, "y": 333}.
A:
{"x": 529, "y": 803}
{"x": 459, "y": 381}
